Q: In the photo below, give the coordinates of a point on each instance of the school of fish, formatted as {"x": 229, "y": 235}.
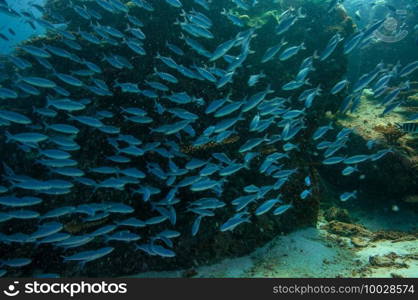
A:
{"x": 156, "y": 171}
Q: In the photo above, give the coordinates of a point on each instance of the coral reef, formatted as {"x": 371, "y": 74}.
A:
{"x": 347, "y": 229}
{"x": 211, "y": 245}
{"x": 337, "y": 214}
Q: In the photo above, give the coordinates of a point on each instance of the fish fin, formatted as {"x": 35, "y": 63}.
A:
{"x": 8, "y": 136}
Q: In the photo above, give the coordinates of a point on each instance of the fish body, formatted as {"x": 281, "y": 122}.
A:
{"x": 348, "y": 195}
{"x": 409, "y": 127}
{"x": 291, "y": 51}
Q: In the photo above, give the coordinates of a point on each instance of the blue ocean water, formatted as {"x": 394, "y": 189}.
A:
{"x": 151, "y": 135}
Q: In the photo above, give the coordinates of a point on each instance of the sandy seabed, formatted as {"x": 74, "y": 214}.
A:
{"x": 333, "y": 249}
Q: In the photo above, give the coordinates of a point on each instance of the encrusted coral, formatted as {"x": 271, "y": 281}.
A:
{"x": 337, "y": 214}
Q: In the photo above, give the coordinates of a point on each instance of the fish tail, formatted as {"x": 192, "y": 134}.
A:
{"x": 301, "y": 15}
{"x": 8, "y": 136}
{"x": 269, "y": 90}
{"x": 128, "y": 27}
{"x": 45, "y": 125}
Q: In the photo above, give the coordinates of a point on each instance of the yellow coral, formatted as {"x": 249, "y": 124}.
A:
{"x": 260, "y": 20}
